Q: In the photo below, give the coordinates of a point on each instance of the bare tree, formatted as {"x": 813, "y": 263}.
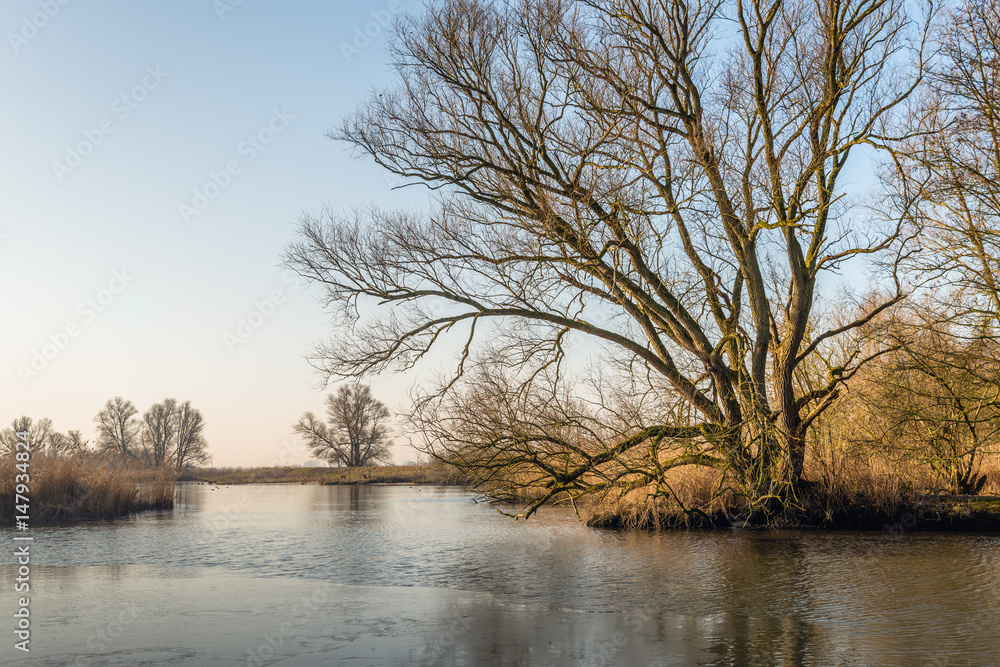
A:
{"x": 118, "y": 429}
{"x": 936, "y": 397}
{"x": 955, "y": 165}
{"x": 69, "y": 443}
{"x": 659, "y": 176}
{"x": 39, "y": 434}
{"x": 190, "y": 448}
{"x": 76, "y": 444}
{"x": 512, "y": 437}
{"x": 159, "y": 432}
{"x": 42, "y": 437}
{"x": 357, "y": 430}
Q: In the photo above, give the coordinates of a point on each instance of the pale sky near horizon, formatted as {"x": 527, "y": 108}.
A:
{"x": 115, "y": 113}
{"x": 157, "y": 160}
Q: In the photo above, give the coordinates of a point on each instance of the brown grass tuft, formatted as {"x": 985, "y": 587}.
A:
{"x": 85, "y": 486}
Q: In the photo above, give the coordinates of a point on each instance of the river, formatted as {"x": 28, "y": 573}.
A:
{"x": 397, "y": 575}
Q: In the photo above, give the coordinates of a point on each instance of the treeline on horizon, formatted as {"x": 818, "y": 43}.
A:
{"x": 132, "y": 467}
{"x": 168, "y": 434}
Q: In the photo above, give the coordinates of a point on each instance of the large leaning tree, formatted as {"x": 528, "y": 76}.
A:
{"x": 665, "y": 178}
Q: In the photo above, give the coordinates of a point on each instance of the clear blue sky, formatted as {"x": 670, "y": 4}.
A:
{"x": 157, "y": 157}
{"x": 114, "y": 114}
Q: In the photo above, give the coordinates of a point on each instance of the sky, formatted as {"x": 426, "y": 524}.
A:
{"x": 157, "y": 158}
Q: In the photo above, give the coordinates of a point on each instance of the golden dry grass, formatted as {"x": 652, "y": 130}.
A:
{"x": 419, "y": 474}
{"x": 85, "y": 487}
{"x": 860, "y": 491}
{"x": 693, "y": 500}
{"x": 991, "y": 469}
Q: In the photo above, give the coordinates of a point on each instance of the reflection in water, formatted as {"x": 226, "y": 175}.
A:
{"x": 547, "y": 591}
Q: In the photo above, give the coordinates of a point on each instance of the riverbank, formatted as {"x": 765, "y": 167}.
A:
{"x": 82, "y": 487}
{"x": 941, "y": 513}
{"x": 872, "y": 497}
{"x": 438, "y": 475}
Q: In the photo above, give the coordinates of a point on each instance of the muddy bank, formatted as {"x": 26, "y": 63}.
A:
{"x": 976, "y": 514}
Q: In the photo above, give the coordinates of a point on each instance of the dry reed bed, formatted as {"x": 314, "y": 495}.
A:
{"x": 861, "y": 492}
{"x": 86, "y": 487}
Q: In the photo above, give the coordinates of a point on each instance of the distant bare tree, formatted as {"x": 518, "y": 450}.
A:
{"x": 42, "y": 437}
{"x": 67, "y": 444}
{"x": 190, "y": 448}
{"x": 39, "y": 434}
{"x": 357, "y": 430}
{"x": 118, "y": 429}
{"x": 76, "y": 444}
{"x": 661, "y": 177}
{"x": 159, "y": 432}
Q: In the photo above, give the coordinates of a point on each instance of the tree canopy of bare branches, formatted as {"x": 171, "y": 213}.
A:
{"x": 954, "y": 163}
{"x": 159, "y": 428}
{"x": 934, "y": 399}
{"x": 41, "y": 436}
{"x": 190, "y": 446}
{"x": 662, "y": 177}
{"x": 356, "y": 431}
{"x": 119, "y": 431}
{"x": 169, "y": 433}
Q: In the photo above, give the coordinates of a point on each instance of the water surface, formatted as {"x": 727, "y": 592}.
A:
{"x": 424, "y": 575}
